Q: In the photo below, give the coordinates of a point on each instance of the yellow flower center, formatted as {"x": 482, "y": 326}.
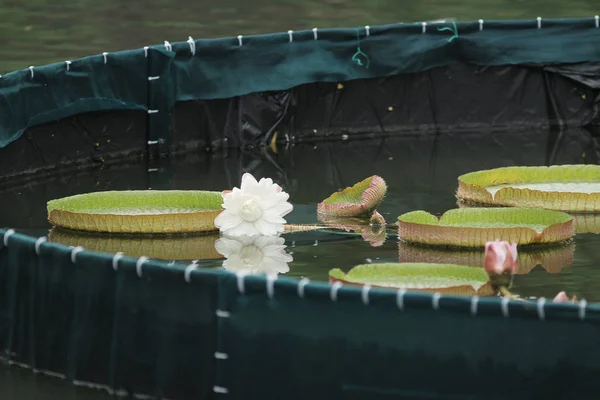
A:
{"x": 251, "y": 210}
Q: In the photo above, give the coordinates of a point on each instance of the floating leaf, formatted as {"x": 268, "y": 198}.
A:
{"x": 138, "y": 211}
{"x": 473, "y": 227}
{"x": 443, "y": 278}
{"x": 164, "y": 247}
{"x": 360, "y": 200}
{"x": 573, "y": 188}
{"x": 553, "y": 258}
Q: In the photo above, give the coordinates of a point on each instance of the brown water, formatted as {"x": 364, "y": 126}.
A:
{"x": 38, "y": 32}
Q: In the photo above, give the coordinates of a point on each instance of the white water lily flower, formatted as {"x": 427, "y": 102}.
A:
{"x": 254, "y": 254}
{"x": 256, "y": 208}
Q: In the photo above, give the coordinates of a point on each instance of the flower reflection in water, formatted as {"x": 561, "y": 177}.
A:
{"x": 254, "y": 254}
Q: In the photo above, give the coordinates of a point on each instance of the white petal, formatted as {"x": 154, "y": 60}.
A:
{"x": 271, "y": 199}
{"x": 234, "y": 263}
{"x": 267, "y": 228}
{"x": 264, "y": 242}
{"x": 271, "y": 215}
{"x": 270, "y": 265}
{"x": 244, "y": 229}
{"x": 248, "y": 181}
{"x": 281, "y": 209}
{"x": 227, "y": 220}
{"x": 227, "y": 246}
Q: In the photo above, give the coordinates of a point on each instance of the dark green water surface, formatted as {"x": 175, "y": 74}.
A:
{"x": 421, "y": 172}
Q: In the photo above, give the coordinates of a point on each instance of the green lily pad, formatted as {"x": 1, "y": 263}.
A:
{"x": 138, "y": 211}
{"x": 360, "y": 200}
{"x": 573, "y": 188}
{"x": 443, "y": 278}
{"x": 473, "y": 227}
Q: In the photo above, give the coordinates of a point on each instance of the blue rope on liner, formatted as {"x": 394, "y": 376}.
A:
{"x": 454, "y": 30}
{"x": 359, "y": 57}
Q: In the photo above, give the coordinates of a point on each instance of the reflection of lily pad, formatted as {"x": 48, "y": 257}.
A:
{"x": 573, "y": 188}
{"x": 473, "y": 227}
{"x": 443, "y": 278}
{"x": 374, "y": 234}
{"x": 175, "y": 247}
{"x": 360, "y": 200}
{"x": 138, "y": 211}
{"x": 552, "y": 258}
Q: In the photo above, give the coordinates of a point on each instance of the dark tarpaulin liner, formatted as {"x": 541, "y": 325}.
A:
{"x": 498, "y": 93}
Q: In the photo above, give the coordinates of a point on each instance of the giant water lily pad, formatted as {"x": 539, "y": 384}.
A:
{"x": 360, "y": 200}
{"x": 552, "y": 258}
{"x": 473, "y": 227}
{"x": 163, "y": 247}
{"x": 138, "y": 211}
{"x": 443, "y": 278}
{"x": 573, "y": 188}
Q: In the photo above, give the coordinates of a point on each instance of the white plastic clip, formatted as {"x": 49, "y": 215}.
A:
{"x": 291, "y": 35}
{"x": 424, "y": 26}
{"x": 152, "y": 111}
{"x": 303, "y": 282}
{"x": 364, "y": 293}
{"x": 221, "y": 356}
{"x": 192, "y": 45}
{"x": 435, "y": 301}
{"x": 223, "y": 314}
{"x": 138, "y": 265}
{"x": 74, "y": 252}
{"x": 153, "y": 78}
{"x": 334, "y": 290}
{"x": 188, "y": 272}
{"x": 504, "y": 306}
{"x": 540, "y": 308}
{"x": 38, "y": 243}
{"x": 31, "y": 69}
{"x": 480, "y": 24}
{"x": 105, "y": 54}
{"x": 115, "y": 260}
{"x": 597, "y": 18}
{"x": 400, "y": 299}
{"x": 474, "y": 301}
{"x": 539, "y": 21}
{"x": 240, "y": 39}
{"x": 240, "y": 281}
{"x": 146, "y": 51}
{"x": 68, "y": 63}
{"x": 316, "y": 36}
{"x": 168, "y": 46}
{"x": 271, "y": 278}
{"x": 582, "y": 305}
{"x": 220, "y": 390}
{"x": 367, "y": 30}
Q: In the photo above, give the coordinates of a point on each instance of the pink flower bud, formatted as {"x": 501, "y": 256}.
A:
{"x": 561, "y": 298}
{"x": 500, "y": 258}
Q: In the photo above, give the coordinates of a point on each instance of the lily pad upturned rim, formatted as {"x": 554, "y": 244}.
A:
{"x": 473, "y": 227}
{"x": 358, "y": 200}
{"x": 420, "y": 272}
{"x": 472, "y": 187}
{"x": 105, "y": 211}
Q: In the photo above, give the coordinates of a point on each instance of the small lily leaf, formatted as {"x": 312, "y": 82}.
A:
{"x": 138, "y": 211}
{"x": 473, "y": 227}
{"x": 446, "y": 278}
{"x": 360, "y": 200}
{"x": 574, "y": 188}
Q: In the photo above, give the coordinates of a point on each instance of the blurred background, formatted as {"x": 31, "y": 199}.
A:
{"x": 38, "y": 32}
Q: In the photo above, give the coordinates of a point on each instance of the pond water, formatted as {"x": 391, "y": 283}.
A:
{"x": 421, "y": 173}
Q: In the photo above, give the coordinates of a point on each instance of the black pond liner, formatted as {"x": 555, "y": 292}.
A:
{"x": 148, "y": 328}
